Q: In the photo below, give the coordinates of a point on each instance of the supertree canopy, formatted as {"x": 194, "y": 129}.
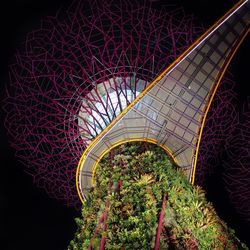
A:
{"x": 76, "y": 73}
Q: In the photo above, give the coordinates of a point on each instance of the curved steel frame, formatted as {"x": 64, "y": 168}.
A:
{"x": 209, "y": 57}
{"x": 210, "y": 102}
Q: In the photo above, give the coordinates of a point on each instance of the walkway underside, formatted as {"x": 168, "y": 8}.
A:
{"x": 172, "y": 110}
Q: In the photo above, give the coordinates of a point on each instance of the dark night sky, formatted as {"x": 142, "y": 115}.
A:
{"x": 30, "y": 219}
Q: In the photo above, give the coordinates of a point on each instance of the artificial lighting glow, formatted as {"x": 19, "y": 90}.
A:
{"x": 111, "y": 97}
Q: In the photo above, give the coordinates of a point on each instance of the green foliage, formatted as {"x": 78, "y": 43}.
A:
{"x": 130, "y": 189}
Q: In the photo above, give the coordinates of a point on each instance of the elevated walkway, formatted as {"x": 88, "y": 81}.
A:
{"x": 172, "y": 110}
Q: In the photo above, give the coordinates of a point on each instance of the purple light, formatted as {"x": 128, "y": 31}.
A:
{"x": 61, "y": 65}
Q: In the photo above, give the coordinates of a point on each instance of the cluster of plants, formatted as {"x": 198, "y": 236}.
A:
{"x": 135, "y": 184}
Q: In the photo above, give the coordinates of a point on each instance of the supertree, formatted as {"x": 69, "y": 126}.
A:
{"x": 77, "y": 72}
{"x": 79, "y": 69}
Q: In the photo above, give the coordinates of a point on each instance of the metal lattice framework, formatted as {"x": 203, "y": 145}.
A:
{"x": 77, "y": 73}
{"x": 172, "y": 110}
{"x": 237, "y": 165}
{"x": 70, "y": 71}
{"x": 219, "y": 127}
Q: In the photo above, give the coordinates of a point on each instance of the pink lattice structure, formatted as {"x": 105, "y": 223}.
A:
{"x": 221, "y": 121}
{"x": 237, "y": 165}
{"x": 70, "y": 66}
{"x": 225, "y": 145}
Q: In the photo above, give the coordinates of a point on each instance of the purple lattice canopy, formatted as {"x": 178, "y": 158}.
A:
{"x": 78, "y": 70}
{"x": 237, "y": 164}
{"x": 71, "y": 68}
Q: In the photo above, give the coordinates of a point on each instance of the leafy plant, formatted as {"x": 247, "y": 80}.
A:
{"x": 125, "y": 205}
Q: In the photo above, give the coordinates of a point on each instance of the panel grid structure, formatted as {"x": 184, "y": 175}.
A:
{"x": 171, "y": 109}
